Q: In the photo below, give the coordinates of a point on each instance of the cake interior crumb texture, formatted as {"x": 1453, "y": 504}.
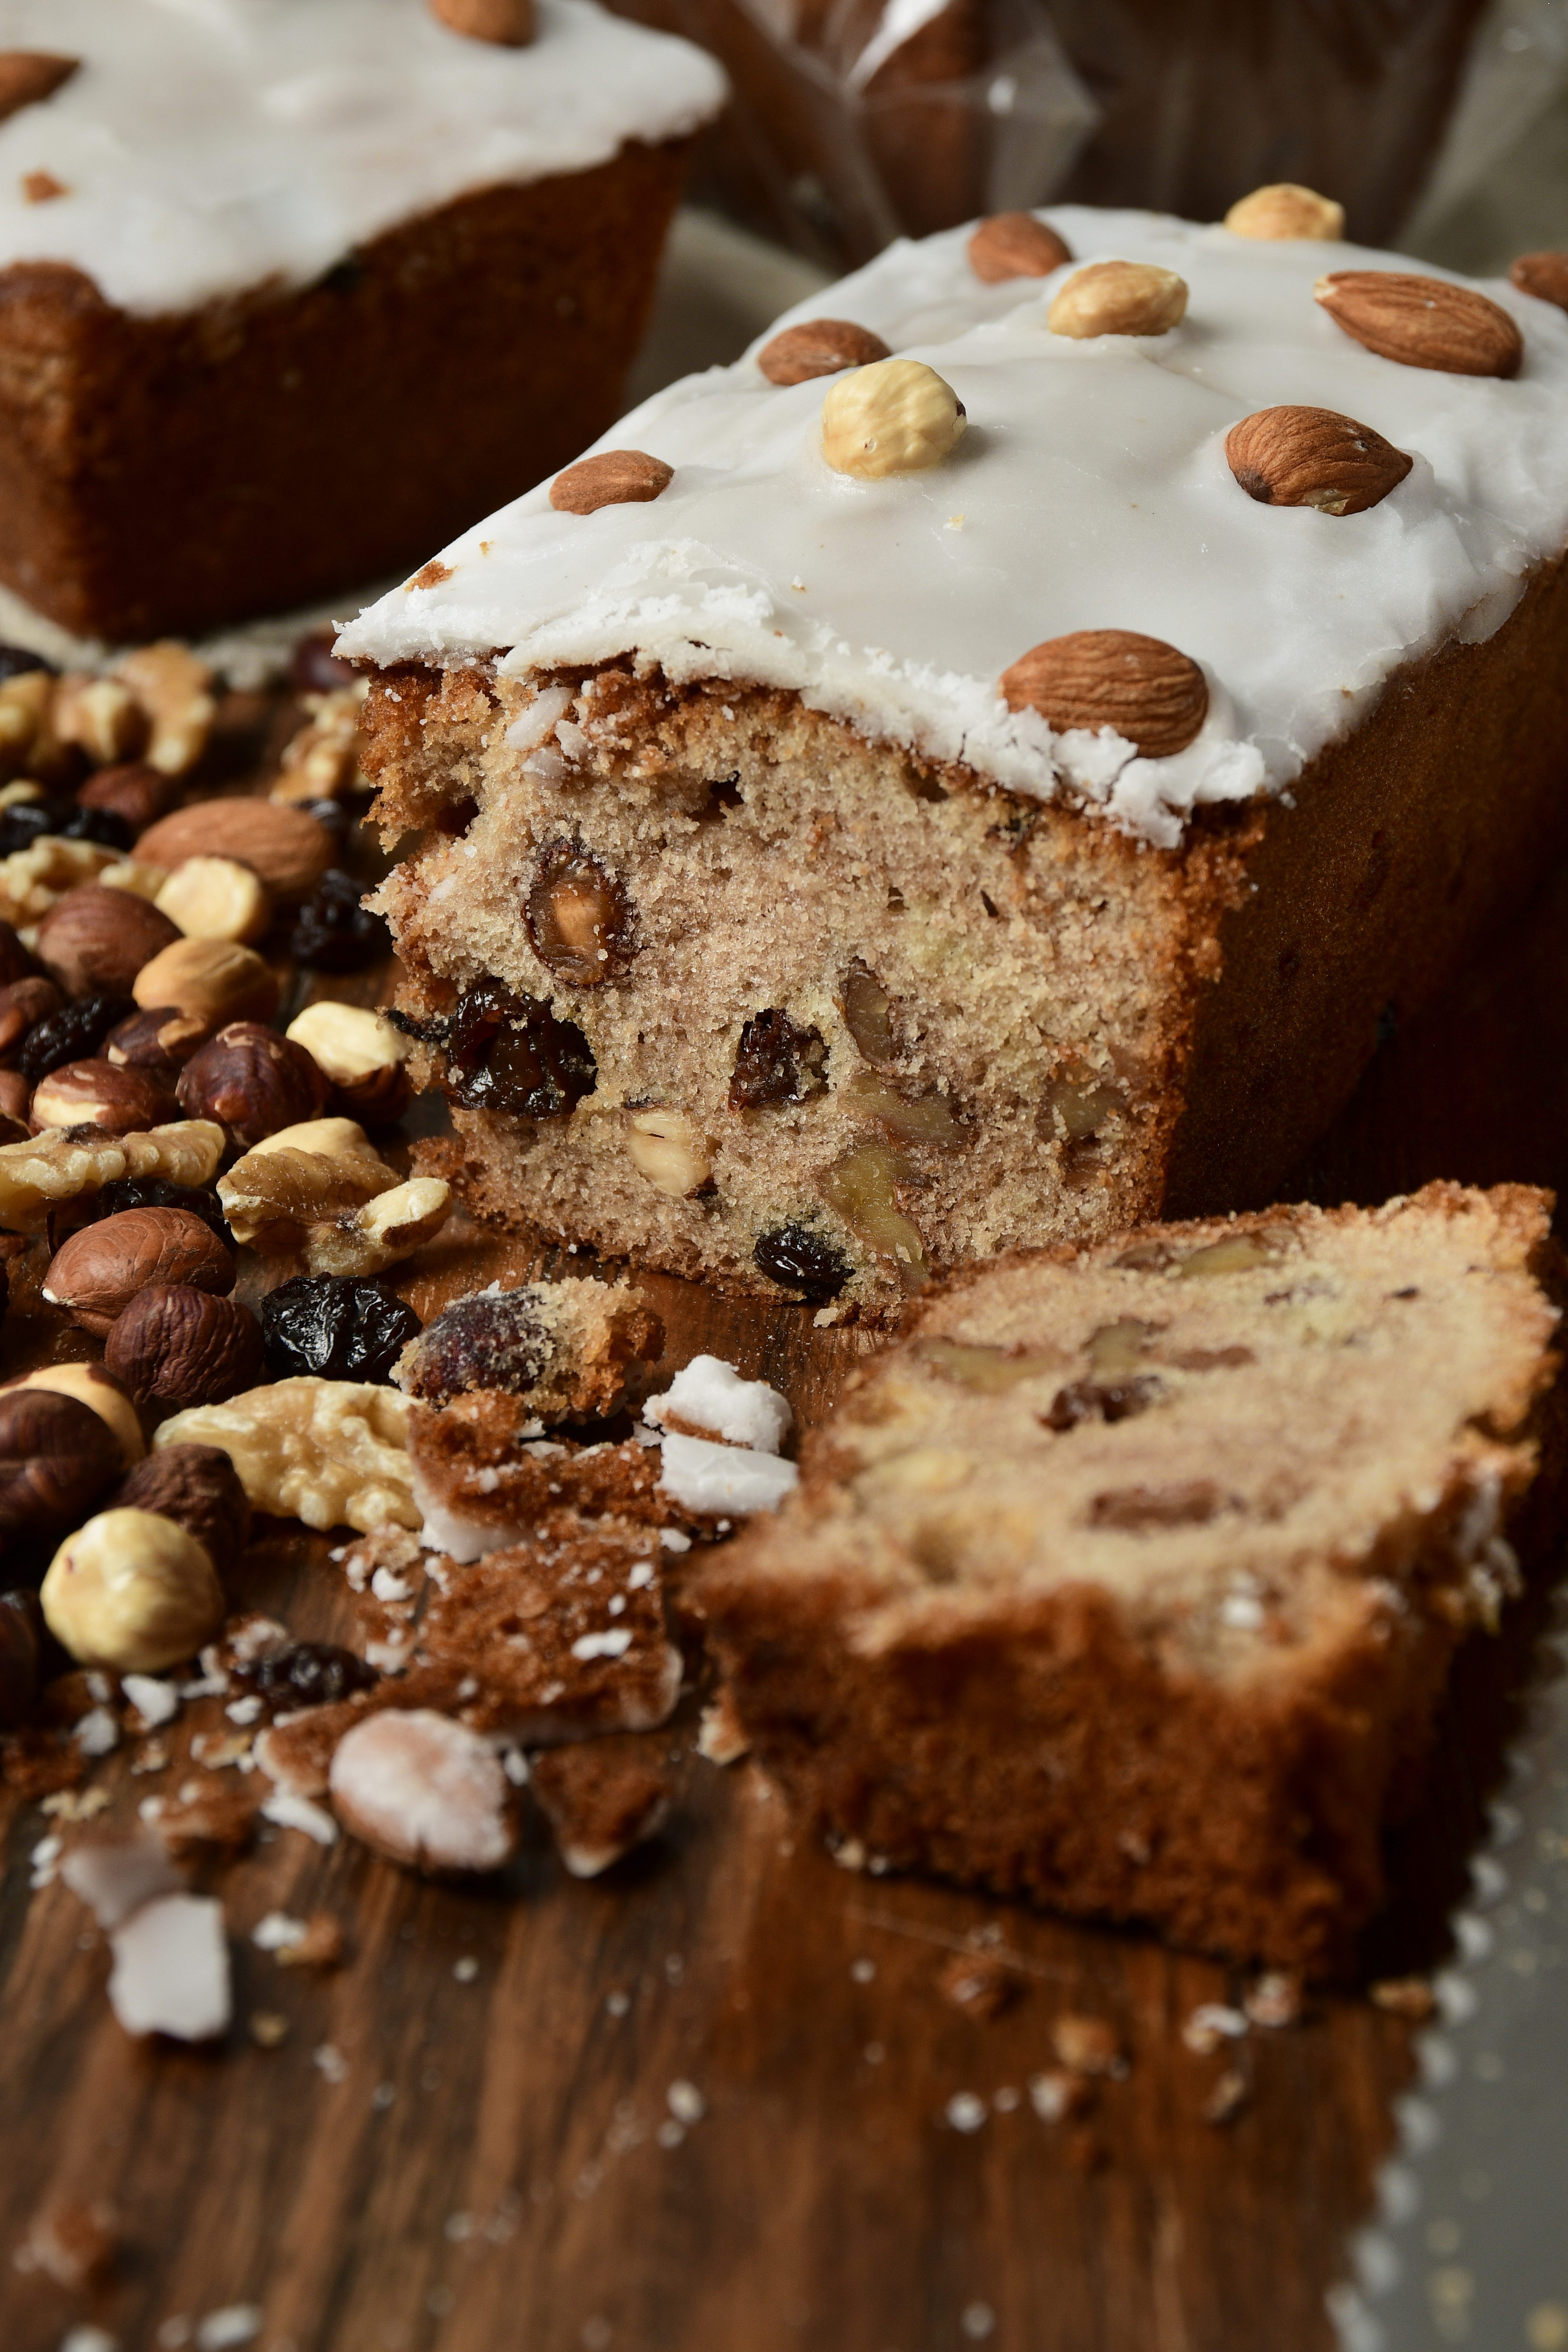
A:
{"x": 1130, "y": 1579}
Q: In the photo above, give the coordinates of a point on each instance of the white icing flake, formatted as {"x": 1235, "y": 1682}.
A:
{"x": 206, "y": 146}
{"x": 709, "y": 1394}
{"x": 703, "y": 1477}
{"x": 1094, "y": 494}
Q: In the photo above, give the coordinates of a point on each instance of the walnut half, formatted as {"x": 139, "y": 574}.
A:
{"x": 320, "y": 1190}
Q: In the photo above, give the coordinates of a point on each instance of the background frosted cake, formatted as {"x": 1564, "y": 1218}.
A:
{"x": 291, "y": 289}
{"x": 881, "y": 815}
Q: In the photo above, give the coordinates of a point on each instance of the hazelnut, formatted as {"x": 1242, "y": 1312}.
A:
{"x": 215, "y": 898}
{"x": 179, "y": 1346}
{"x": 132, "y": 1592}
{"x": 94, "y": 940}
{"x": 23, "y": 1005}
{"x": 253, "y": 1081}
{"x": 1285, "y": 210}
{"x": 361, "y": 1054}
{"x": 213, "y": 980}
{"x": 16, "y": 963}
{"x": 101, "y": 715}
{"x": 174, "y": 691}
{"x": 90, "y": 1385}
{"x": 135, "y": 792}
{"x": 102, "y": 1094}
{"x": 56, "y": 1459}
{"x": 162, "y": 1040}
{"x": 667, "y": 1148}
{"x": 16, "y": 1093}
{"x": 1119, "y": 298}
{"x": 99, "y": 1271}
{"x": 199, "y": 1489}
{"x": 895, "y": 416}
{"x": 578, "y": 918}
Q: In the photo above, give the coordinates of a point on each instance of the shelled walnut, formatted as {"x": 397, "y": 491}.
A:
{"x": 58, "y": 1165}
{"x": 331, "y": 1452}
{"x": 319, "y": 1189}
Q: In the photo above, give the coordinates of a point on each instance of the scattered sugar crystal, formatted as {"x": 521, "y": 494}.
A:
{"x": 685, "y": 2103}
{"x": 704, "y": 1476}
{"x": 292, "y": 1812}
{"x": 618, "y": 2003}
{"x": 977, "y": 2321}
{"x": 1211, "y": 2023}
{"x": 277, "y": 1932}
{"x": 612, "y": 1645}
{"x": 155, "y": 1702}
{"x": 329, "y": 2061}
{"x": 466, "y": 1969}
{"x": 964, "y": 2112}
{"x": 862, "y": 1972}
{"x": 237, "y": 2323}
{"x": 709, "y": 1394}
{"x": 673, "y": 1540}
{"x": 116, "y": 1878}
{"x": 89, "y": 2339}
{"x": 243, "y": 1710}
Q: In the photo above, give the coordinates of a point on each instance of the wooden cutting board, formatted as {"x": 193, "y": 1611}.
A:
{"x": 472, "y": 2135}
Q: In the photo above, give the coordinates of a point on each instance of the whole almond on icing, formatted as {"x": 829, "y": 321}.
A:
{"x": 1544, "y": 275}
{"x": 29, "y": 76}
{"x": 508, "y": 22}
{"x": 1314, "y": 457}
{"x": 1119, "y": 298}
{"x": 1285, "y": 210}
{"x": 1014, "y": 245}
{"x": 1423, "y": 321}
{"x": 819, "y": 347}
{"x": 616, "y": 478}
{"x": 1142, "y": 688}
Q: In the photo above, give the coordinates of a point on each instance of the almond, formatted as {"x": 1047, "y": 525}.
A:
{"x": 819, "y": 347}
{"x": 289, "y": 850}
{"x": 1422, "y": 322}
{"x": 1314, "y": 457}
{"x": 508, "y": 22}
{"x": 29, "y": 76}
{"x": 1119, "y": 298}
{"x": 1142, "y": 688}
{"x": 1544, "y": 275}
{"x": 1014, "y": 245}
{"x": 1286, "y": 210}
{"x": 616, "y": 478}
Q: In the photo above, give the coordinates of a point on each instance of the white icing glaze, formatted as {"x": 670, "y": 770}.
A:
{"x": 1090, "y": 491}
{"x": 209, "y": 145}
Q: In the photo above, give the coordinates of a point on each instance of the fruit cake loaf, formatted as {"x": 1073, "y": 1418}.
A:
{"x": 290, "y": 292}
{"x": 1131, "y": 1578}
{"x": 885, "y": 811}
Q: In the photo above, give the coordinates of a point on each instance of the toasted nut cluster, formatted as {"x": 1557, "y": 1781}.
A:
{"x": 321, "y": 1190}
{"x": 1142, "y": 689}
{"x": 614, "y": 477}
{"x": 99, "y": 1271}
{"x": 1119, "y": 298}
{"x": 57, "y": 1456}
{"x": 176, "y": 1345}
{"x": 361, "y": 1054}
{"x": 1314, "y": 457}
{"x": 1285, "y": 210}
{"x": 819, "y": 347}
{"x": 509, "y": 23}
{"x": 322, "y": 762}
{"x": 132, "y": 1592}
{"x": 105, "y": 1094}
{"x": 90, "y": 1385}
{"x": 253, "y": 1081}
{"x": 896, "y": 417}
{"x": 285, "y": 848}
{"x": 1544, "y": 275}
{"x": 95, "y": 940}
{"x": 210, "y": 980}
{"x": 1423, "y": 321}
{"x": 670, "y": 1150}
{"x": 31, "y": 880}
{"x": 331, "y": 1452}
{"x": 215, "y": 898}
{"x": 36, "y": 1176}
{"x": 1014, "y": 245}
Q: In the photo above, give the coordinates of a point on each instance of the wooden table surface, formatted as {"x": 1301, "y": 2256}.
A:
{"x": 464, "y": 2139}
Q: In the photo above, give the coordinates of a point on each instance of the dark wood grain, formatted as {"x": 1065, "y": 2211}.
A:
{"x": 490, "y": 2170}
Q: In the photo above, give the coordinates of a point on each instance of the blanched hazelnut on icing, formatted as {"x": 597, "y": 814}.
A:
{"x": 1119, "y": 298}
{"x": 895, "y": 416}
{"x": 132, "y": 1592}
{"x": 1286, "y": 210}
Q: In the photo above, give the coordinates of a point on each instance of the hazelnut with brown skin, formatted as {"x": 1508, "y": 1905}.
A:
{"x": 21, "y": 1654}
{"x": 23, "y": 1005}
{"x": 178, "y": 1346}
{"x": 199, "y": 1489}
{"x": 102, "y": 1094}
{"x": 134, "y": 791}
{"x": 57, "y": 1457}
{"x": 99, "y": 1270}
{"x": 16, "y": 1093}
{"x": 95, "y": 940}
{"x": 161, "y": 1041}
{"x": 253, "y": 1082}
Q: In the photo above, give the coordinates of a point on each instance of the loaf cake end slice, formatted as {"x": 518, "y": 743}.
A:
{"x": 1131, "y": 1578}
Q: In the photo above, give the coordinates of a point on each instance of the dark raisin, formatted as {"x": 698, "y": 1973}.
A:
{"x": 72, "y": 1034}
{"x": 332, "y": 816}
{"x": 495, "y": 1340}
{"x": 312, "y": 1673}
{"x": 580, "y": 922}
{"x": 138, "y": 1192}
{"x": 1101, "y": 1400}
{"x": 796, "y": 1258}
{"x": 21, "y": 825}
{"x": 337, "y": 1326}
{"x": 334, "y": 932}
{"x": 507, "y": 1053}
{"x": 104, "y": 826}
{"x": 315, "y": 668}
{"x": 777, "y": 1062}
{"x": 16, "y": 661}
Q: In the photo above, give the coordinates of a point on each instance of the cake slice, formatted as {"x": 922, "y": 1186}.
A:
{"x": 1130, "y": 1579}
{"x": 884, "y": 810}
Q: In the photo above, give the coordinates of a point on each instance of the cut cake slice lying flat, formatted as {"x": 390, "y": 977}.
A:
{"x": 1130, "y": 1579}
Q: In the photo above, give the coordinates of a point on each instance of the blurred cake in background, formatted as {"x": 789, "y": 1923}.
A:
{"x": 292, "y": 289}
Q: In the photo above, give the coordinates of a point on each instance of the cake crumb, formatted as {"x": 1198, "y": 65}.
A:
{"x": 978, "y": 1983}
{"x": 1087, "y": 2045}
{"x": 1410, "y": 1997}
